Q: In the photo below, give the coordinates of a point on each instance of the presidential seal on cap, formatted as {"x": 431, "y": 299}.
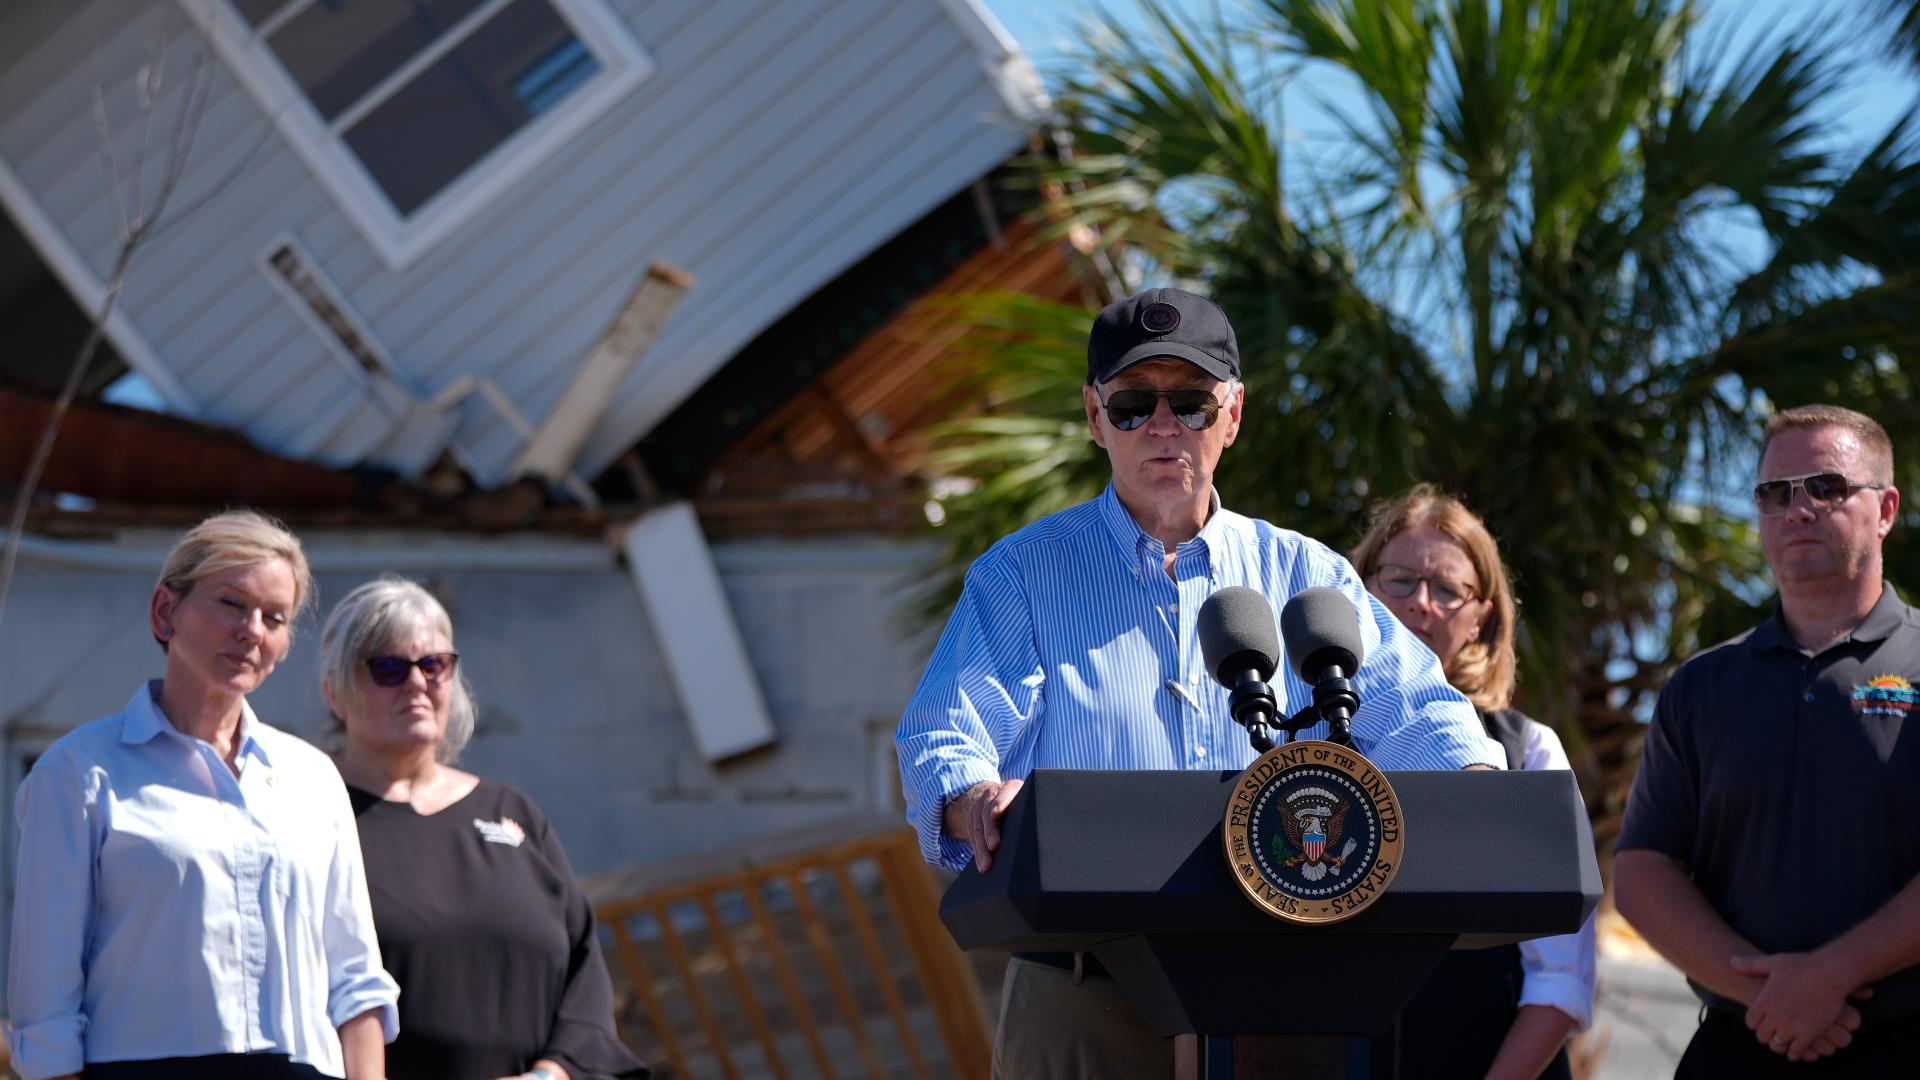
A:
{"x": 1170, "y": 323}
{"x": 1313, "y": 832}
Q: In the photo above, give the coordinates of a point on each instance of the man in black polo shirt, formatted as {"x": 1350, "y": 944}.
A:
{"x": 1772, "y": 841}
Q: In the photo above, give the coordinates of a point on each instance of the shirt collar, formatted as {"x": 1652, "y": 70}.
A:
{"x": 143, "y": 720}
{"x": 1771, "y": 633}
{"x": 1131, "y": 538}
{"x": 1889, "y": 613}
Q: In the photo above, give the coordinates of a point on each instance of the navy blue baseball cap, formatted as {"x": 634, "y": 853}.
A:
{"x": 1162, "y": 322}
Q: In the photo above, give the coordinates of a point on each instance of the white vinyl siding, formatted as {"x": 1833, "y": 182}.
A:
{"x": 778, "y": 143}
{"x": 377, "y": 130}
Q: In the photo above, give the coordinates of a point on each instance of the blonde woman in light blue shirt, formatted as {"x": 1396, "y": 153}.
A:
{"x": 189, "y": 899}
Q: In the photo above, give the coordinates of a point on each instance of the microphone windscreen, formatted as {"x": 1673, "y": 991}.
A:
{"x": 1322, "y": 628}
{"x": 1237, "y": 634}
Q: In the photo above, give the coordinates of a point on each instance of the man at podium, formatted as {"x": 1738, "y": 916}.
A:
{"x": 1771, "y": 847}
{"x": 1074, "y": 645}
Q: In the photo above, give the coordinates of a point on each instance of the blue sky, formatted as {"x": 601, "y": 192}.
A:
{"x": 1877, "y": 94}
{"x": 1874, "y": 95}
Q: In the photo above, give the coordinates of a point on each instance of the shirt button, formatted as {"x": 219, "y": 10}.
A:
{"x": 1808, "y": 697}
{"x": 1200, "y": 751}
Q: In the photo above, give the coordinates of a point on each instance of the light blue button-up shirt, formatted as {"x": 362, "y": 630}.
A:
{"x": 1071, "y": 648}
{"x": 164, "y": 907}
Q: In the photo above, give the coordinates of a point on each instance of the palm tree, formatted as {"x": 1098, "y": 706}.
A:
{"x": 1561, "y": 263}
{"x": 1896, "y": 24}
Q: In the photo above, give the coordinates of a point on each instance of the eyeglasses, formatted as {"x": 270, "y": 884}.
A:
{"x": 393, "y": 670}
{"x": 1128, "y": 409}
{"x": 1824, "y": 490}
{"x": 1446, "y": 593}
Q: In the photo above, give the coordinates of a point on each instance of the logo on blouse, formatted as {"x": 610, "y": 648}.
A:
{"x": 1313, "y": 832}
{"x": 1886, "y": 695}
{"x": 505, "y": 831}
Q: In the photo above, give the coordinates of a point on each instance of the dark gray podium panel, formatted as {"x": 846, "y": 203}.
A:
{"x": 1130, "y": 866}
{"x": 1248, "y": 984}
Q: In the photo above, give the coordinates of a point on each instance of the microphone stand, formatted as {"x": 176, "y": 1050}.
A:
{"x": 1335, "y": 702}
{"x": 1253, "y": 707}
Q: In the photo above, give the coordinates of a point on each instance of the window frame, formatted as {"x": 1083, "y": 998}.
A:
{"x": 399, "y": 240}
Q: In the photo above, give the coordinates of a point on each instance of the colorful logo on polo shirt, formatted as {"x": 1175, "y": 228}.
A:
{"x": 1886, "y": 695}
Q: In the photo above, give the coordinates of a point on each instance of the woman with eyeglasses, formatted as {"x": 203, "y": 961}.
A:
{"x": 479, "y": 914}
{"x": 1505, "y": 1012}
{"x": 189, "y": 903}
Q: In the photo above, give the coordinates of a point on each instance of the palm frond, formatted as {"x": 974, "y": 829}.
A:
{"x": 1558, "y": 176}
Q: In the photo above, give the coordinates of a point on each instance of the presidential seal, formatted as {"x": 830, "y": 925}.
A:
{"x": 1313, "y": 832}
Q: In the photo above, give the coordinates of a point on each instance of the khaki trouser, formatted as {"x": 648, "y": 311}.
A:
{"x": 1052, "y": 1028}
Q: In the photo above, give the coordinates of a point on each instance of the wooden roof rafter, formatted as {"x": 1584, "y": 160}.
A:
{"x": 857, "y": 436}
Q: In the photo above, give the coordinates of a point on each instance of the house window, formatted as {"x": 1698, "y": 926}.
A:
{"x": 415, "y": 113}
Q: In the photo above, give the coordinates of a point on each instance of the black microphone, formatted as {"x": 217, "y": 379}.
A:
{"x": 1322, "y": 631}
{"x": 1241, "y": 648}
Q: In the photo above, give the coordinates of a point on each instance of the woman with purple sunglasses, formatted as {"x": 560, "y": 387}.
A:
{"x": 479, "y": 915}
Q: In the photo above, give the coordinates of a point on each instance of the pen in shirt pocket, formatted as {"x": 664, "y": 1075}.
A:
{"x": 1179, "y": 690}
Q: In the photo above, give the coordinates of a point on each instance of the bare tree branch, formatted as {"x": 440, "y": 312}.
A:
{"x": 105, "y": 130}
{"x": 137, "y": 222}
{"x": 146, "y": 83}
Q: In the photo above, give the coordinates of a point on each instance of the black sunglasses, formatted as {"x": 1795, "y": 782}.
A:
{"x": 393, "y": 670}
{"x": 1128, "y": 409}
{"x": 1824, "y": 490}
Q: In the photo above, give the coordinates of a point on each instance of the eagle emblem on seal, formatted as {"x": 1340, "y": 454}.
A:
{"x": 1314, "y": 821}
{"x": 1313, "y": 832}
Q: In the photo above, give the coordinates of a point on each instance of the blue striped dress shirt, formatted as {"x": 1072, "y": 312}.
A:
{"x": 1071, "y": 648}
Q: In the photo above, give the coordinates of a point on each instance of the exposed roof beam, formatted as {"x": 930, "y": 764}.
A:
{"x": 550, "y": 452}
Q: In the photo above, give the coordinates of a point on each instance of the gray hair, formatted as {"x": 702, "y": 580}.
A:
{"x": 372, "y": 619}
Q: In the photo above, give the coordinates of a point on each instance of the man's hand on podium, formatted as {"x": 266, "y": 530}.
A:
{"x": 974, "y": 816}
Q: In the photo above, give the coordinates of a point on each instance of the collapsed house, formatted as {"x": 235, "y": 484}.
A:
{"x": 603, "y": 318}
